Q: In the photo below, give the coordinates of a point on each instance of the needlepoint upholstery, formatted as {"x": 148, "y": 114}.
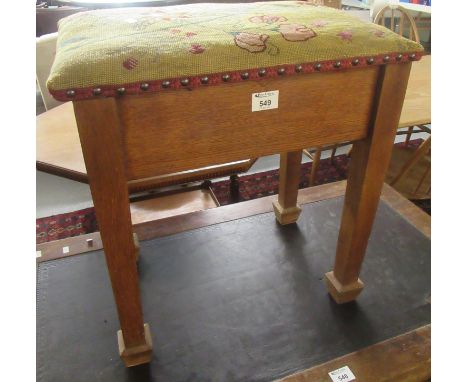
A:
{"x": 161, "y": 47}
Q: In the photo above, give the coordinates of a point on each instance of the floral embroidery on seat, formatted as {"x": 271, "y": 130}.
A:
{"x": 296, "y": 32}
{"x": 346, "y": 35}
{"x": 319, "y": 23}
{"x": 253, "y": 42}
{"x": 130, "y": 63}
{"x": 125, "y": 47}
{"x": 379, "y": 33}
{"x": 175, "y": 16}
{"x": 196, "y": 49}
{"x": 269, "y": 19}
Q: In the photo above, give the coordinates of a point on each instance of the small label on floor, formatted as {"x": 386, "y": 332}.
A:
{"x": 343, "y": 374}
{"x": 265, "y": 100}
{"x": 38, "y": 254}
{"x": 65, "y": 250}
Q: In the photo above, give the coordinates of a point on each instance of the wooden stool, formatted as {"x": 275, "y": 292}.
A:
{"x": 142, "y": 82}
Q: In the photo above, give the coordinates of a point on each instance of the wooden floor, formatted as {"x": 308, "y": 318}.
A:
{"x": 403, "y": 358}
{"x": 417, "y": 178}
{"x": 148, "y": 211}
{"x": 171, "y": 205}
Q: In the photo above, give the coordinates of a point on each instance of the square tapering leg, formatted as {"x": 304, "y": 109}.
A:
{"x": 342, "y": 293}
{"x": 136, "y": 355}
{"x": 99, "y": 128}
{"x": 369, "y": 163}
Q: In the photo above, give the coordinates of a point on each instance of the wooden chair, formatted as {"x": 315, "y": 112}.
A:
{"x": 397, "y": 19}
{"x": 171, "y": 122}
{"x": 45, "y": 53}
{"x": 410, "y": 171}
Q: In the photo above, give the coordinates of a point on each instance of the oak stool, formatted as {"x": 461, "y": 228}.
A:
{"x": 161, "y": 90}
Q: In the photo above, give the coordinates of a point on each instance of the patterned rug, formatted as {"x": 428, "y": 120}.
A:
{"x": 66, "y": 225}
{"x": 266, "y": 183}
{"x": 250, "y": 187}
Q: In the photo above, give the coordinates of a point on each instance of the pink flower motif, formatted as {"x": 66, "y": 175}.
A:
{"x": 130, "y": 63}
{"x": 196, "y": 49}
{"x": 319, "y": 23}
{"x": 346, "y": 35}
{"x": 296, "y": 32}
{"x": 379, "y": 33}
{"x": 269, "y": 19}
{"x": 253, "y": 42}
{"x": 190, "y": 34}
{"x": 174, "y": 31}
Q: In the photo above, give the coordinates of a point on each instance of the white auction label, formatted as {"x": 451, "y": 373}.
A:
{"x": 343, "y": 374}
{"x": 265, "y": 100}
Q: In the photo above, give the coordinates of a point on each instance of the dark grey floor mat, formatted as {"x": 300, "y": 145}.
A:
{"x": 237, "y": 301}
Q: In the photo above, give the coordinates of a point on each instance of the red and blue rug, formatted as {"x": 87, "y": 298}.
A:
{"x": 251, "y": 186}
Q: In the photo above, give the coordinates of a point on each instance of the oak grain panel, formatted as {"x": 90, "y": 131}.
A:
{"x": 178, "y": 130}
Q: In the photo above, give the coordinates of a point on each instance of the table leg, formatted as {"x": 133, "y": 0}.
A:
{"x": 234, "y": 192}
{"x": 286, "y": 209}
{"x": 99, "y": 129}
{"x": 366, "y": 175}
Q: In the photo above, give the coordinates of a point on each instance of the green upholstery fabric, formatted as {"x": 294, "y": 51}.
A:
{"x": 143, "y": 49}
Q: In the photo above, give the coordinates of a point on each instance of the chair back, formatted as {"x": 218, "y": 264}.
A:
{"x": 45, "y": 54}
{"x": 397, "y": 19}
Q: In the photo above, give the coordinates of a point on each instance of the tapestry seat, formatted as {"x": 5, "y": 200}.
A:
{"x": 113, "y": 52}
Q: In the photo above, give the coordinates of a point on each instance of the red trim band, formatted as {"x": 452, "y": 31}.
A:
{"x": 232, "y": 77}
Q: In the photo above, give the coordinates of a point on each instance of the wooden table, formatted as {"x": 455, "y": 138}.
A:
{"x": 58, "y": 152}
{"x": 417, "y": 106}
{"x": 354, "y": 4}
{"x": 419, "y": 8}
